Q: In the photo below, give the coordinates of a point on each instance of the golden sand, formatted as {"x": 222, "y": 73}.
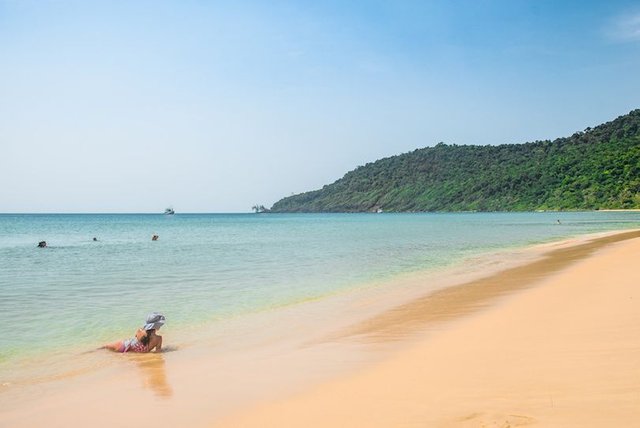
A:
{"x": 564, "y": 351}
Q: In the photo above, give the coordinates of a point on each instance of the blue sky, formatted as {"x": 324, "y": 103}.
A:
{"x": 130, "y": 106}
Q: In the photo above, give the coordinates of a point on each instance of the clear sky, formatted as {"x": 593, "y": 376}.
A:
{"x": 132, "y": 106}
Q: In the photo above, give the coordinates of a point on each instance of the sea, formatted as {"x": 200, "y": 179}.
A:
{"x": 78, "y": 293}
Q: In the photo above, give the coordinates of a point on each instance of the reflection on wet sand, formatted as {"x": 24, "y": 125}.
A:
{"x": 154, "y": 374}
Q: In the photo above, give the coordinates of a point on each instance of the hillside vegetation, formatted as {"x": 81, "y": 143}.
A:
{"x": 595, "y": 169}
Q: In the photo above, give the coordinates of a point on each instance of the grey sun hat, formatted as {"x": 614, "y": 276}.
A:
{"x": 154, "y": 321}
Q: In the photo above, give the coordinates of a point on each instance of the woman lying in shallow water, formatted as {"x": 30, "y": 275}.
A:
{"x": 145, "y": 340}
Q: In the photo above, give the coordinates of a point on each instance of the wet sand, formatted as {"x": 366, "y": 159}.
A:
{"x": 552, "y": 341}
{"x": 564, "y": 350}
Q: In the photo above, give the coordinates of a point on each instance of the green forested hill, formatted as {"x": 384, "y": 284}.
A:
{"x": 595, "y": 169}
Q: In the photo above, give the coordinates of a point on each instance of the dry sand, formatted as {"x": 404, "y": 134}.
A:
{"x": 562, "y": 351}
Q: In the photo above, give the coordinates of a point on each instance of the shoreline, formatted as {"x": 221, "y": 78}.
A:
{"x": 38, "y": 368}
{"x": 459, "y": 300}
{"x": 422, "y": 249}
{"x": 560, "y": 349}
{"x": 263, "y": 365}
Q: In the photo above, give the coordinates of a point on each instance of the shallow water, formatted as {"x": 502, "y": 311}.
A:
{"x": 206, "y": 268}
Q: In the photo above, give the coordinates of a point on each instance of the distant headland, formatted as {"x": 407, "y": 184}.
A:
{"x": 598, "y": 168}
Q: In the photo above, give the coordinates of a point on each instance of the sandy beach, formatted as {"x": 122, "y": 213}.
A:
{"x": 552, "y": 339}
{"x": 564, "y": 350}
{"x": 365, "y": 214}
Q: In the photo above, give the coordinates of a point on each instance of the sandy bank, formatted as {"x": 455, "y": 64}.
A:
{"x": 565, "y": 352}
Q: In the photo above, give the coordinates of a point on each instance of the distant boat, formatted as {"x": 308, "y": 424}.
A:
{"x": 169, "y": 211}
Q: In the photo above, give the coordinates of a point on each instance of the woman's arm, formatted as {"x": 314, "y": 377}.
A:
{"x": 156, "y": 342}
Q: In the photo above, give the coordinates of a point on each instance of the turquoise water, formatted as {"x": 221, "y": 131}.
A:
{"x": 209, "y": 267}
